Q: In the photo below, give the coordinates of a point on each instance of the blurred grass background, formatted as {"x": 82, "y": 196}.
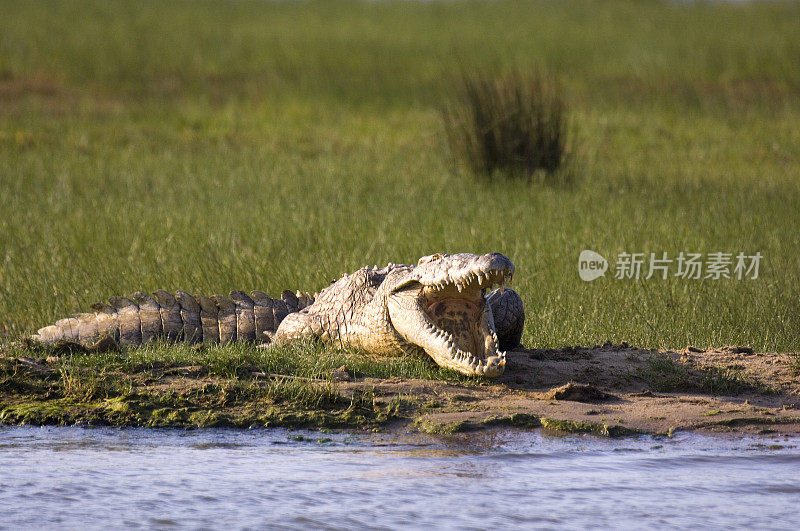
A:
{"x": 211, "y": 146}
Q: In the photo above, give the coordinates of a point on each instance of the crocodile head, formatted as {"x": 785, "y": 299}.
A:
{"x": 440, "y": 306}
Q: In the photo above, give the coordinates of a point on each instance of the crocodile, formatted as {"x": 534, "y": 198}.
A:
{"x": 444, "y": 307}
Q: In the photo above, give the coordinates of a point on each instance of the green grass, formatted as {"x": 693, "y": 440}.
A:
{"x": 306, "y": 360}
{"x": 256, "y": 145}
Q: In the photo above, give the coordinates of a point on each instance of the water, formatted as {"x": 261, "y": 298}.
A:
{"x": 101, "y": 478}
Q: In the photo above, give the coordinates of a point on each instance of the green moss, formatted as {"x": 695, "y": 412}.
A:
{"x": 117, "y": 405}
{"x": 434, "y": 427}
{"x": 58, "y": 412}
{"x": 102, "y": 388}
{"x": 228, "y": 403}
{"x": 744, "y": 421}
{"x": 520, "y": 420}
{"x": 593, "y": 428}
{"x": 207, "y": 419}
{"x": 517, "y": 420}
{"x": 429, "y": 424}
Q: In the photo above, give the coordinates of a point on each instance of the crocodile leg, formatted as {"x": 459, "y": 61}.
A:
{"x": 130, "y": 324}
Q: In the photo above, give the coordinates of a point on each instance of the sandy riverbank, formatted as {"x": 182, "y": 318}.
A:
{"x": 610, "y": 390}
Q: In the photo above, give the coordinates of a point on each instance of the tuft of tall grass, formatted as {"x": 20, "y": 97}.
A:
{"x": 510, "y": 125}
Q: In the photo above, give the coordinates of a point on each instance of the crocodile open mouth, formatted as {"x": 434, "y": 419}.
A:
{"x": 442, "y": 309}
{"x": 462, "y": 321}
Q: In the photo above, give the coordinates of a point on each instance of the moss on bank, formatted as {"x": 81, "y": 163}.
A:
{"x": 154, "y": 411}
{"x": 592, "y": 428}
{"x": 435, "y": 426}
{"x": 106, "y": 389}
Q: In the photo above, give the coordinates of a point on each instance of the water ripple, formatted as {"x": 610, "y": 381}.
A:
{"x": 100, "y": 478}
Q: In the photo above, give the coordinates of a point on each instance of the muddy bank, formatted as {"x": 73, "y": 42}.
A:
{"x": 619, "y": 390}
{"x": 610, "y": 390}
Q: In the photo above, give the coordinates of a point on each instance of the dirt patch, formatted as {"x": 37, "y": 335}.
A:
{"x": 618, "y": 390}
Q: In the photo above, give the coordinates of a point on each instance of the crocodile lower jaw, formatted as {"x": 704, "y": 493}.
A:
{"x": 460, "y": 326}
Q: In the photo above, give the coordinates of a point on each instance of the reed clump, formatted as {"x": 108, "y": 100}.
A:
{"x": 509, "y": 125}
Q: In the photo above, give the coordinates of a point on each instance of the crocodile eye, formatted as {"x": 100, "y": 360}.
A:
{"x": 431, "y": 258}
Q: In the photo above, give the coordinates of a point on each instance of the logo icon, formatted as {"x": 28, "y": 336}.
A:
{"x": 591, "y": 265}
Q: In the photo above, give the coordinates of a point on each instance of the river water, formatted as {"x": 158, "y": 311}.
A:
{"x": 93, "y": 478}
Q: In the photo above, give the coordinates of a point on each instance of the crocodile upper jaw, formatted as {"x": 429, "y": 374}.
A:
{"x": 451, "y": 321}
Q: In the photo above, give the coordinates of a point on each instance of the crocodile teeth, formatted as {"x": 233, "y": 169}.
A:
{"x": 494, "y": 360}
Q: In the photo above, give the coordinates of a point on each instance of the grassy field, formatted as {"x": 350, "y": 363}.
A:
{"x": 210, "y": 146}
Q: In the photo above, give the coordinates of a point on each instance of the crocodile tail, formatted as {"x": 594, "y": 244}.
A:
{"x": 140, "y": 318}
